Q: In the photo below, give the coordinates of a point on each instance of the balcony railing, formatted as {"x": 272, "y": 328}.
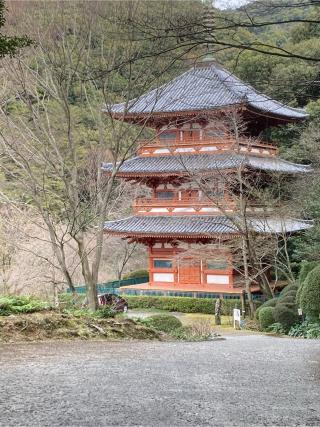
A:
{"x": 172, "y": 146}
{"x": 204, "y": 205}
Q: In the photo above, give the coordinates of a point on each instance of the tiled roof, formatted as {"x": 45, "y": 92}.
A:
{"x": 191, "y": 163}
{"x": 197, "y": 225}
{"x": 205, "y": 88}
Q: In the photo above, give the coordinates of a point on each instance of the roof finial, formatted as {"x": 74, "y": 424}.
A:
{"x": 206, "y": 61}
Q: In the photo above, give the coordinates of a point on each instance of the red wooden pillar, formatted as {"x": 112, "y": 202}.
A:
{"x": 150, "y": 265}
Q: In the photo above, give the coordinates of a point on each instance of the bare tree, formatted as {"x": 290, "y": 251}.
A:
{"x": 45, "y": 149}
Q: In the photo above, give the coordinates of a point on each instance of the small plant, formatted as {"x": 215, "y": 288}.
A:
{"x": 298, "y": 330}
{"x": 105, "y": 312}
{"x": 70, "y": 301}
{"x": 305, "y": 330}
{"x": 201, "y": 328}
{"x": 313, "y": 330}
{"x": 276, "y": 328}
{"x": 266, "y": 317}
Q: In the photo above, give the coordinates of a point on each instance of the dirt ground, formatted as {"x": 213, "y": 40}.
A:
{"x": 48, "y": 325}
{"x": 245, "y": 380}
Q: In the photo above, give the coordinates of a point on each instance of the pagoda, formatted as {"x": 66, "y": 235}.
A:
{"x": 186, "y": 229}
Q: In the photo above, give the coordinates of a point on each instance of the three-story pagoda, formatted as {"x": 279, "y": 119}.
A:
{"x": 194, "y": 144}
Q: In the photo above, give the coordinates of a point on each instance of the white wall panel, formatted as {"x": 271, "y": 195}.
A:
{"x": 163, "y": 277}
{"x": 218, "y": 279}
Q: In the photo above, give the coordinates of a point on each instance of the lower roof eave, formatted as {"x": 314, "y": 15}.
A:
{"x": 172, "y": 235}
{"x": 186, "y": 288}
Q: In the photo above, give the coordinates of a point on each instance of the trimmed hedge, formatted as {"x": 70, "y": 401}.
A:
{"x": 310, "y": 294}
{"x": 285, "y": 315}
{"x": 306, "y": 267}
{"x": 266, "y": 317}
{"x": 269, "y": 303}
{"x": 182, "y": 304}
{"x": 289, "y": 289}
{"x": 136, "y": 274}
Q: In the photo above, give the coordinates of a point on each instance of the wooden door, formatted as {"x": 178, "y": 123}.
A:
{"x": 189, "y": 272}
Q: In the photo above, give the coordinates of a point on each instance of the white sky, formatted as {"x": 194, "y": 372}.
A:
{"x": 225, "y": 4}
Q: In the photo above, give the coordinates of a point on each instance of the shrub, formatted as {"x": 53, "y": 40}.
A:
{"x": 289, "y": 289}
{"x": 310, "y": 294}
{"x": 269, "y": 303}
{"x": 291, "y": 293}
{"x": 285, "y": 315}
{"x": 288, "y": 300}
{"x": 164, "y": 322}
{"x": 266, "y": 317}
{"x": 20, "y": 304}
{"x": 182, "y": 304}
{"x": 70, "y": 301}
{"x": 305, "y": 269}
{"x": 199, "y": 330}
{"x": 136, "y": 274}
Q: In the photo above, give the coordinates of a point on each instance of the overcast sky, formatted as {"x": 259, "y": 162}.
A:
{"x": 224, "y": 4}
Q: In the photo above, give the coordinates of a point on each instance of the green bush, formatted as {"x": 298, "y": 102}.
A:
{"x": 305, "y": 269}
{"x": 291, "y": 293}
{"x": 289, "y": 289}
{"x": 288, "y": 300}
{"x": 310, "y": 294}
{"x": 136, "y": 274}
{"x": 182, "y": 304}
{"x": 20, "y": 304}
{"x": 285, "y": 315}
{"x": 269, "y": 303}
{"x": 164, "y": 322}
{"x": 266, "y": 317}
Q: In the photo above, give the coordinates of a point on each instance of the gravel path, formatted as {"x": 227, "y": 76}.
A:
{"x": 243, "y": 381}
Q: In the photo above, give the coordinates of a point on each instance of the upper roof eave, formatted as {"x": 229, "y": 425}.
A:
{"x": 203, "y": 89}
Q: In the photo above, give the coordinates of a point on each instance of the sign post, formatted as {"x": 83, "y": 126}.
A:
{"x": 236, "y": 318}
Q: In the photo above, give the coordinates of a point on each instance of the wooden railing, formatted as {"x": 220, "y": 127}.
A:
{"x": 163, "y": 147}
{"x": 144, "y": 205}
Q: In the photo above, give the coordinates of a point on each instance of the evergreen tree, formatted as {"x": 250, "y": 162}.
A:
{"x": 10, "y": 45}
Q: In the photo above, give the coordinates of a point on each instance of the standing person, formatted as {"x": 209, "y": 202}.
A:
{"x": 217, "y": 311}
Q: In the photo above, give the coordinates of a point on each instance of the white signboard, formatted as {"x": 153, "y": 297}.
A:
{"x": 236, "y": 317}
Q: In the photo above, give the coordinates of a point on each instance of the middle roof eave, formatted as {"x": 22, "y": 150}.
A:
{"x": 192, "y": 163}
{"x": 200, "y": 225}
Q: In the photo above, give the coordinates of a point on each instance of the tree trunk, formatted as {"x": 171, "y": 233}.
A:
{"x": 247, "y": 281}
{"x": 92, "y": 295}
